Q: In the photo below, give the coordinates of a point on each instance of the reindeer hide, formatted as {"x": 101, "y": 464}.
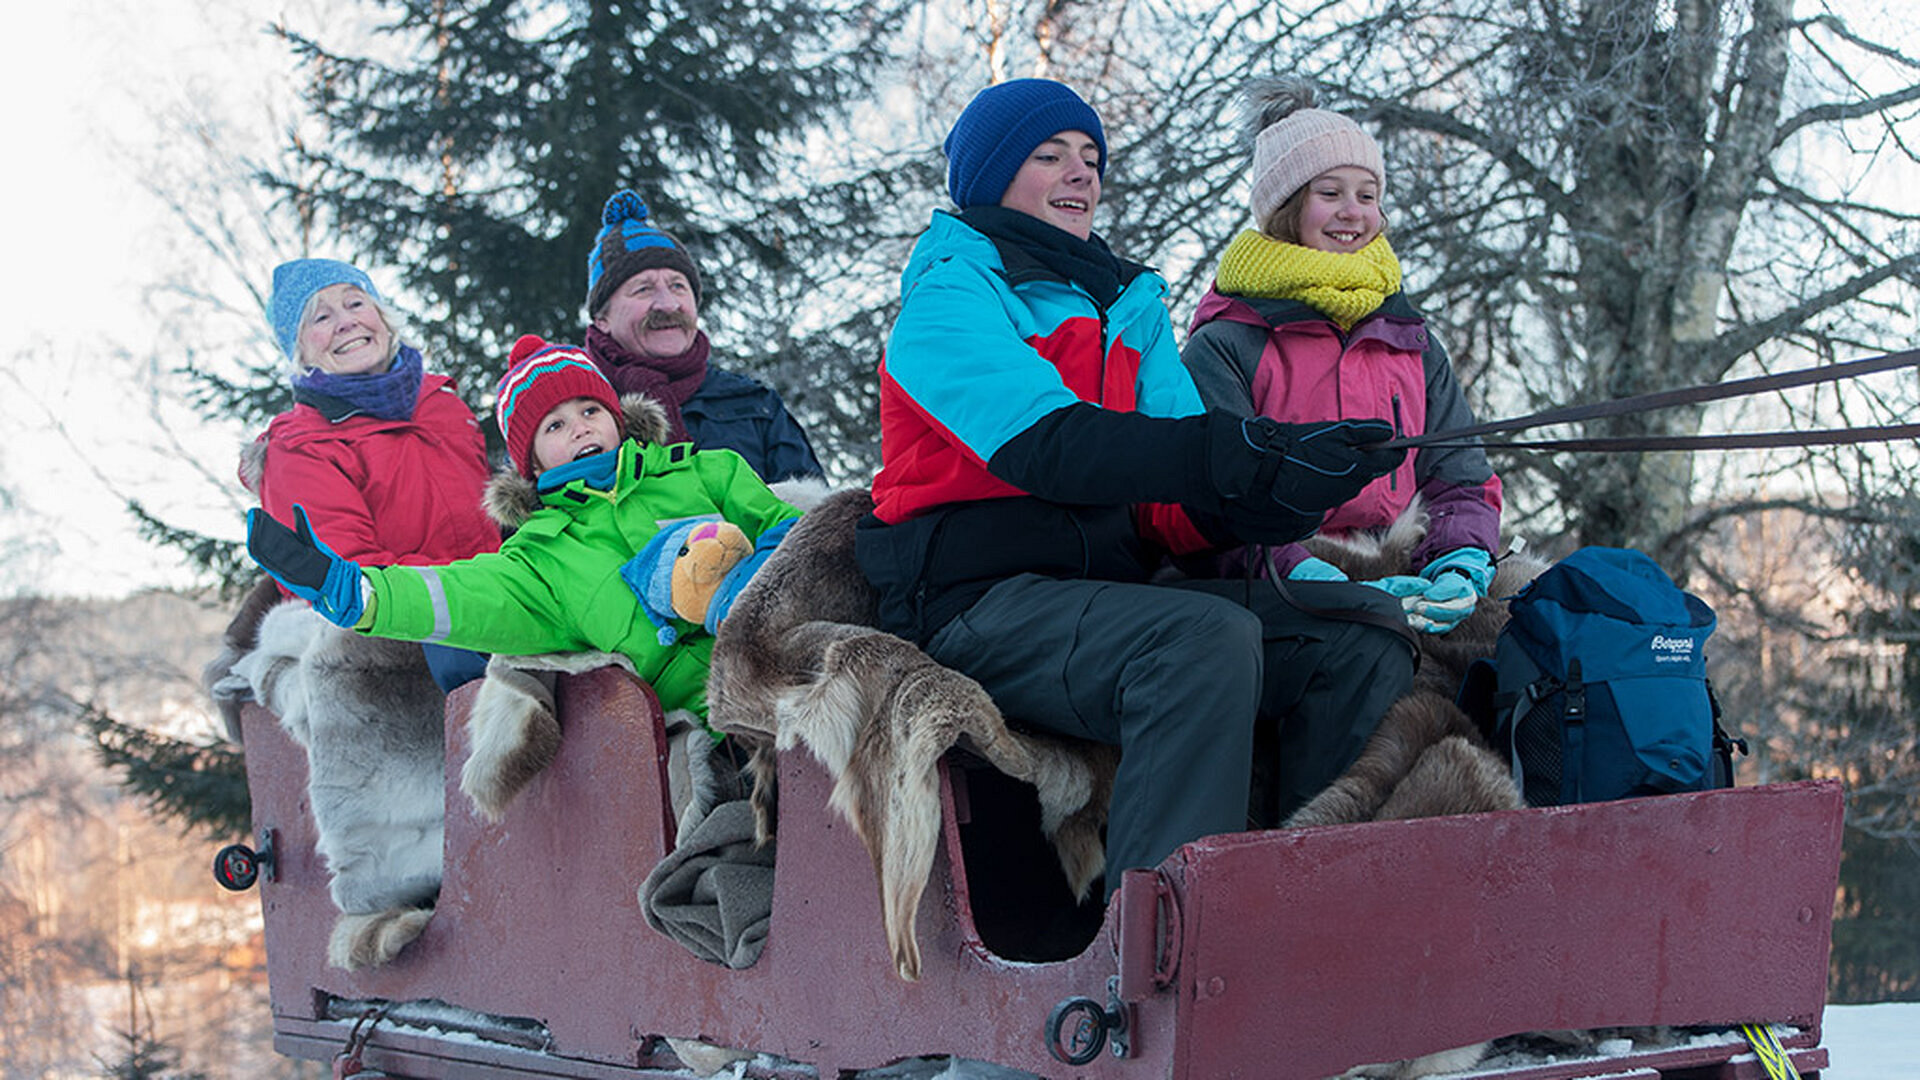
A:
{"x": 798, "y": 662}
{"x": 373, "y": 725}
{"x": 1427, "y": 758}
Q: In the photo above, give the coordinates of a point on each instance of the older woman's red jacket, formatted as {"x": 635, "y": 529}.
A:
{"x": 384, "y": 492}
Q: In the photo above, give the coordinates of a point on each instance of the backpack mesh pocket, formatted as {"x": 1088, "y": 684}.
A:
{"x": 1537, "y": 750}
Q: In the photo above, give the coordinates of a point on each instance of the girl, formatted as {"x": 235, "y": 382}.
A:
{"x": 1306, "y": 321}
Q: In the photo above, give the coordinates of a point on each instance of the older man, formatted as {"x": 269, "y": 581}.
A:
{"x": 643, "y": 300}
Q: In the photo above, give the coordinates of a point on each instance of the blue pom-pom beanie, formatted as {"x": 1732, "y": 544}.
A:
{"x": 628, "y": 243}
{"x": 1001, "y": 126}
{"x": 295, "y": 282}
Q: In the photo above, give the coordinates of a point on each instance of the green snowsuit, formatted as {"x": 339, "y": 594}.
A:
{"x": 555, "y": 584}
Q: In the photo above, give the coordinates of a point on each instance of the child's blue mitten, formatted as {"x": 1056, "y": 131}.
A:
{"x": 1443, "y": 605}
{"x": 738, "y": 577}
{"x": 308, "y": 568}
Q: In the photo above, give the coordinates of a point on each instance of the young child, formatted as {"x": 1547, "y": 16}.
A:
{"x": 590, "y": 500}
{"x": 1306, "y": 321}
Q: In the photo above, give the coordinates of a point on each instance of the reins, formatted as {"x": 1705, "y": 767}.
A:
{"x": 1693, "y": 395}
{"x": 1662, "y": 399}
{"x": 1399, "y": 627}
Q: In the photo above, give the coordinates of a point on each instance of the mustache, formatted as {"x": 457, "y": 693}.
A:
{"x": 664, "y": 320}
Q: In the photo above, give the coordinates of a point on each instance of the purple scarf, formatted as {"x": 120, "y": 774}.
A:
{"x": 389, "y": 395}
{"x": 669, "y": 380}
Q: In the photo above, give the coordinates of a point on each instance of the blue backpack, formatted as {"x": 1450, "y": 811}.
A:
{"x": 1598, "y": 686}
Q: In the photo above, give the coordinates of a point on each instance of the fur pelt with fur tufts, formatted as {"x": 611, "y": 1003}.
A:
{"x": 513, "y": 733}
{"x": 373, "y": 725}
{"x": 798, "y": 663}
{"x": 1427, "y": 758}
{"x": 366, "y": 941}
{"x": 229, "y": 691}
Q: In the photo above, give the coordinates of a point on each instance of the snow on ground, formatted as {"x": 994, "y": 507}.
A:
{"x": 1872, "y": 1042}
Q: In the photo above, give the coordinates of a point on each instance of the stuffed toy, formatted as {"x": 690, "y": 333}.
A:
{"x": 690, "y": 570}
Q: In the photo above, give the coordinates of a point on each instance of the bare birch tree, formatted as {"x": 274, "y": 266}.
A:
{"x": 1600, "y": 198}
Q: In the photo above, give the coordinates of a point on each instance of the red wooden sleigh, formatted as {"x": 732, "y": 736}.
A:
{"x": 1276, "y": 954}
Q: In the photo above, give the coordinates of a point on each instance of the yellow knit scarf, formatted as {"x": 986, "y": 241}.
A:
{"x": 1344, "y": 287}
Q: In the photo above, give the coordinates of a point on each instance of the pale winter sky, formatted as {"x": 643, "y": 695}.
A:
{"x": 90, "y": 412}
{"x": 95, "y": 93}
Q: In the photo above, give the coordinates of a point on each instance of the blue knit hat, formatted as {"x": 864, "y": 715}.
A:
{"x": 295, "y": 282}
{"x": 627, "y": 244}
{"x": 1001, "y": 126}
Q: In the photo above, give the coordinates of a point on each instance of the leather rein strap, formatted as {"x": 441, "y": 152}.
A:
{"x": 1399, "y": 627}
{"x": 1663, "y": 399}
{"x": 1693, "y": 395}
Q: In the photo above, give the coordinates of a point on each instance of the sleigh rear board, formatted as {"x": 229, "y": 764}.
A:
{"x": 1276, "y": 954}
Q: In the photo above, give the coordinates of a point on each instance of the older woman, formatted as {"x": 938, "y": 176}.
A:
{"x": 386, "y": 456}
{"x": 392, "y": 464}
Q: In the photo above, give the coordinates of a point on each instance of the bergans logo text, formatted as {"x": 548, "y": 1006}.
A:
{"x": 1671, "y": 650}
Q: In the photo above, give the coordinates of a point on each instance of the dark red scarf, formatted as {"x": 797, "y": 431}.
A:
{"x": 669, "y": 380}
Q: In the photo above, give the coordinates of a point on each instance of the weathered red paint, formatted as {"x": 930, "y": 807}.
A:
{"x": 1272, "y": 954}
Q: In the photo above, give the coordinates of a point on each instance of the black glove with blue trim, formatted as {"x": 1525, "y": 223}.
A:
{"x": 308, "y": 568}
{"x": 1275, "y": 481}
{"x": 1323, "y": 465}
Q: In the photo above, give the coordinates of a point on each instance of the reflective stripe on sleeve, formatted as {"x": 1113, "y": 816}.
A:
{"x": 437, "y": 595}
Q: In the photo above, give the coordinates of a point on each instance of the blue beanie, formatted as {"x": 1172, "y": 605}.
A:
{"x": 295, "y": 282}
{"x": 1001, "y": 126}
{"x": 628, "y": 243}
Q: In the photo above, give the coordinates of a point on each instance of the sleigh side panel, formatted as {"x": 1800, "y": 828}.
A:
{"x": 1293, "y": 953}
{"x": 1388, "y": 940}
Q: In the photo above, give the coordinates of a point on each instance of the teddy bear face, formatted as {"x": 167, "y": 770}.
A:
{"x": 700, "y": 565}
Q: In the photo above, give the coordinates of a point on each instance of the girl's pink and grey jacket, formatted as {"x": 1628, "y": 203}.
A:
{"x": 1285, "y": 360}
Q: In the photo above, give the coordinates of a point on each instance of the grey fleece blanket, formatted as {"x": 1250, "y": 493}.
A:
{"x": 713, "y": 892}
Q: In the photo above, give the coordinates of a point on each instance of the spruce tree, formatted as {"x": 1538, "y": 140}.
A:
{"x": 475, "y": 169}
{"x": 469, "y": 176}
{"x": 203, "y": 787}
